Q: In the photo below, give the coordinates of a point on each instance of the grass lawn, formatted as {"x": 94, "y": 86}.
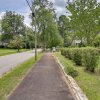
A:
{"x": 89, "y": 82}
{"x": 9, "y": 51}
{"x": 9, "y": 81}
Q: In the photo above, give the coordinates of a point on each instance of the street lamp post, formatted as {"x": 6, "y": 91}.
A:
{"x": 33, "y": 15}
{"x": 35, "y": 39}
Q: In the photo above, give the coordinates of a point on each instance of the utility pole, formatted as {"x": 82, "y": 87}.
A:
{"x": 33, "y": 15}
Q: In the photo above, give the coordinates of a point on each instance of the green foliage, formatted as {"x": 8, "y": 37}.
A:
{"x": 77, "y": 56}
{"x": 66, "y": 52}
{"x": 88, "y": 82}
{"x": 97, "y": 41}
{"x": 83, "y": 23}
{"x": 5, "y": 38}
{"x": 29, "y": 38}
{"x": 16, "y": 43}
{"x": 63, "y": 24}
{"x": 71, "y": 71}
{"x": 66, "y": 30}
{"x": 70, "y": 53}
{"x": 47, "y": 34}
{"x": 12, "y": 24}
{"x": 90, "y": 59}
{"x": 68, "y": 38}
{"x": 63, "y": 51}
{"x": 83, "y": 56}
{"x": 69, "y": 68}
{"x": 0, "y": 37}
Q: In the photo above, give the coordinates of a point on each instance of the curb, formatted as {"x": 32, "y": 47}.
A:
{"x": 76, "y": 90}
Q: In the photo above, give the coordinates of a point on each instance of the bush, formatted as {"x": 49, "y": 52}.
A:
{"x": 96, "y": 41}
{"x": 88, "y": 56}
{"x": 17, "y": 42}
{"x": 71, "y": 71}
{"x": 77, "y": 57}
{"x": 90, "y": 59}
{"x": 98, "y": 51}
{"x": 63, "y": 51}
{"x": 69, "y": 53}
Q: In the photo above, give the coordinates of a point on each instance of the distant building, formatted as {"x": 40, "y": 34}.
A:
{"x": 76, "y": 42}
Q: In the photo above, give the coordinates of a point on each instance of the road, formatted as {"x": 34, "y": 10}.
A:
{"x": 10, "y": 61}
{"x": 45, "y": 81}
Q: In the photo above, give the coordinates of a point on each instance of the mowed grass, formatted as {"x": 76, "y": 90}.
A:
{"x": 4, "y": 52}
{"x": 89, "y": 82}
{"x": 9, "y": 81}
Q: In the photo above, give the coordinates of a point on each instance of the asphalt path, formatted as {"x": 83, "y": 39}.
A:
{"x": 8, "y": 62}
{"x": 45, "y": 81}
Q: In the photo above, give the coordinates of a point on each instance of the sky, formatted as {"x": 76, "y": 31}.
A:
{"x": 21, "y": 7}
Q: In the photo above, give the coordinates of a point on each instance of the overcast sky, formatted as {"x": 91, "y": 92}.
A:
{"x": 20, "y": 6}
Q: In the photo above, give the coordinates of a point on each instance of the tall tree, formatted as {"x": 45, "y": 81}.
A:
{"x": 46, "y": 24}
{"x": 29, "y": 38}
{"x": 12, "y": 24}
{"x": 17, "y": 42}
{"x": 65, "y": 30}
{"x": 63, "y": 24}
{"x": 85, "y": 18}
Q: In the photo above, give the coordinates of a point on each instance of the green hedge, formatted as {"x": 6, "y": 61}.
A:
{"x": 87, "y": 56}
{"x": 77, "y": 56}
{"x": 71, "y": 71}
{"x": 90, "y": 59}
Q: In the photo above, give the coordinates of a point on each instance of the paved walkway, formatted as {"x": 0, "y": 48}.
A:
{"x": 44, "y": 82}
{"x": 10, "y": 61}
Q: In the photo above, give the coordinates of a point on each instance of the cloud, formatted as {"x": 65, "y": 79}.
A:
{"x": 26, "y": 14}
{"x": 1, "y": 14}
{"x": 12, "y": 5}
{"x": 21, "y": 7}
{"x": 60, "y": 6}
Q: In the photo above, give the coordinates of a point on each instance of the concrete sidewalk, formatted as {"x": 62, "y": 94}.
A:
{"x": 44, "y": 82}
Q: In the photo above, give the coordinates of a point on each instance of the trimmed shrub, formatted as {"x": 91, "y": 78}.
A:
{"x": 96, "y": 41}
{"x": 87, "y": 56}
{"x": 71, "y": 70}
{"x": 77, "y": 56}
{"x": 98, "y": 51}
{"x": 90, "y": 59}
{"x": 69, "y": 53}
{"x": 63, "y": 51}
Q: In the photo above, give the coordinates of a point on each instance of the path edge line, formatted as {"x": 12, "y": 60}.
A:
{"x": 77, "y": 92}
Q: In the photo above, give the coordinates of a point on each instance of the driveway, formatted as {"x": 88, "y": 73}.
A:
{"x": 10, "y": 61}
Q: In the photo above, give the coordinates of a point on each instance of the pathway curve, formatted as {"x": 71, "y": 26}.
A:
{"x": 45, "y": 81}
